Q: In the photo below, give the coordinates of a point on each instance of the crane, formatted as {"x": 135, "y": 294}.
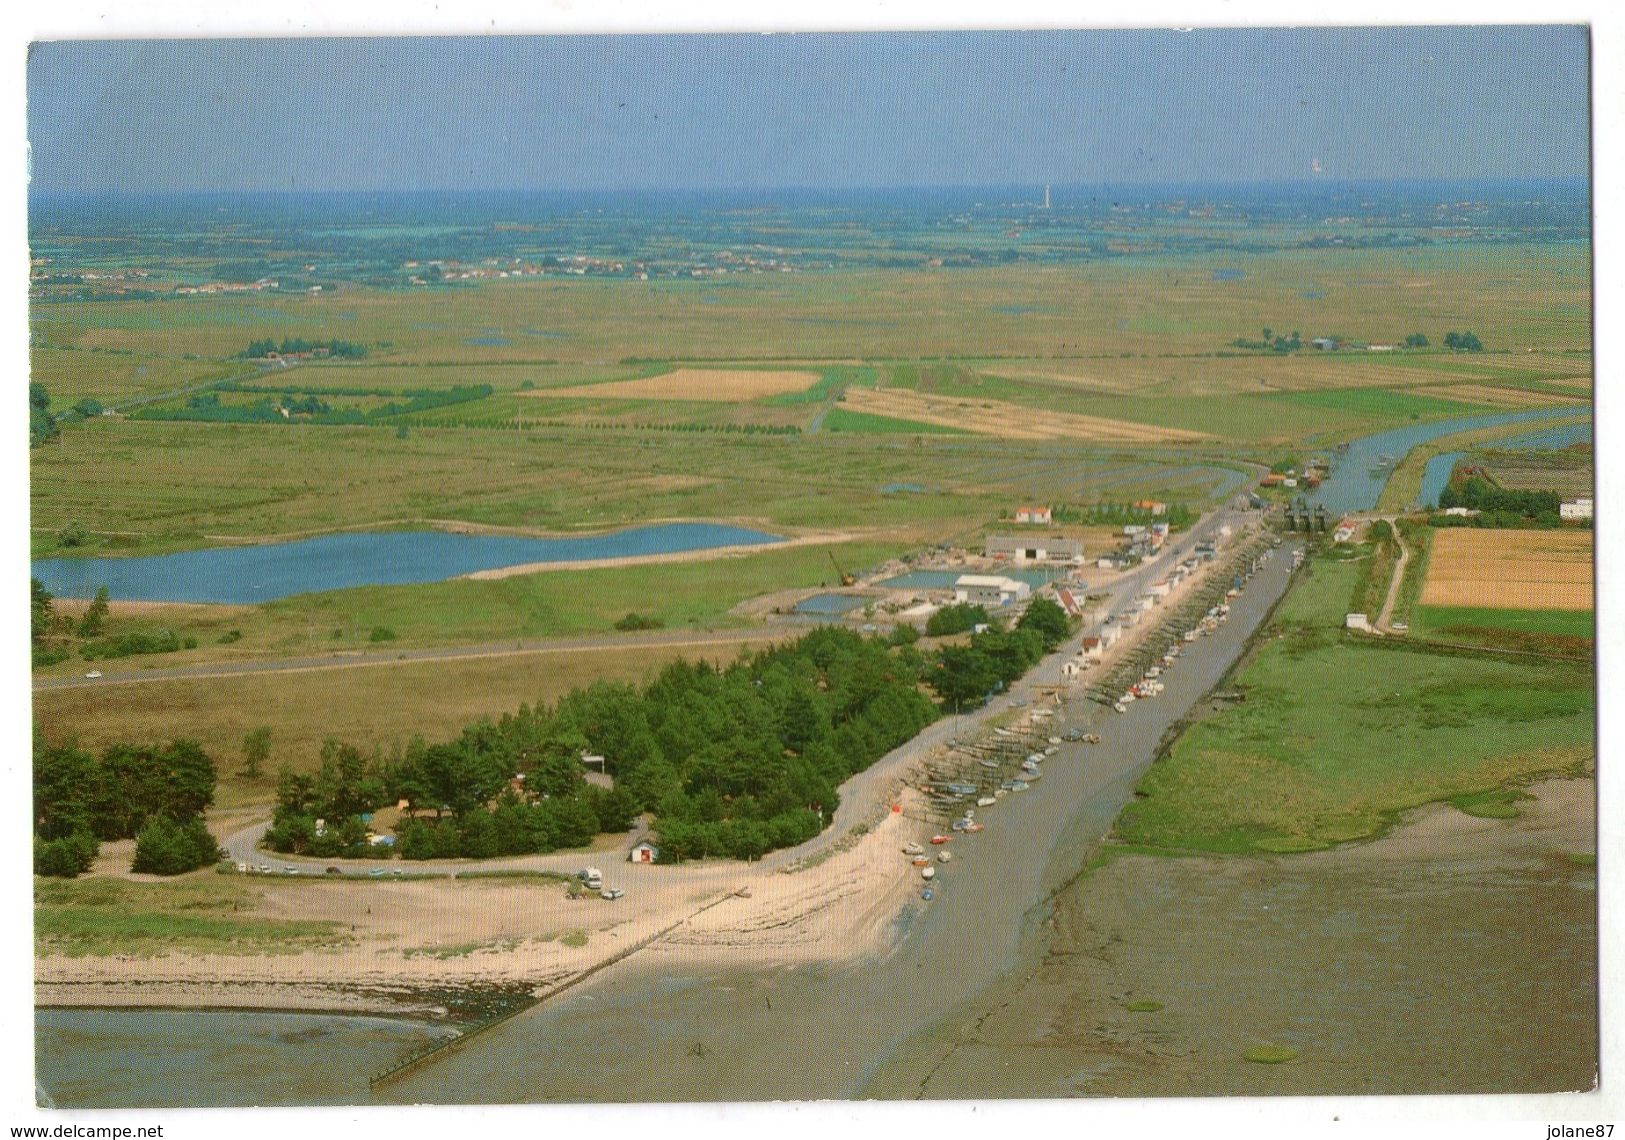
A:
{"x": 846, "y": 579}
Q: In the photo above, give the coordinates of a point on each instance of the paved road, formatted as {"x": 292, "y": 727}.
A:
{"x": 859, "y": 795}
{"x": 660, "y": 639}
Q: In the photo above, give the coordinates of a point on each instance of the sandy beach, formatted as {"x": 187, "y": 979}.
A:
{"x": 402, "y": 939}
{"x": 708, "y": 555}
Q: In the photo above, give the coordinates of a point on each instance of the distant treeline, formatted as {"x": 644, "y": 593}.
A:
{"x": 310, "y": 408}
{"x": 294, "y": 346}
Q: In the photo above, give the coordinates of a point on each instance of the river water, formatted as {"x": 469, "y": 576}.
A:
{"x": 1437, "y": 472}
{"x": 1351, "y": 485}
{"x": 712, "y": 1034}
{"x": 140, "y": 1058}
{"x": 244, "y": 575}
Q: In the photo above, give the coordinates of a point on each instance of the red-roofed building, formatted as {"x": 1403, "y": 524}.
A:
{"x": 1037, "y": 516}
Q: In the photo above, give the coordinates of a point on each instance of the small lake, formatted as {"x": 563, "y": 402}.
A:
{"x": 243, "y": 575}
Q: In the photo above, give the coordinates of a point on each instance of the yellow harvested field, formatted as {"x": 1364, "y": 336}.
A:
{"x": 1510, "y": 569}
{"x": 1006, "y": 420}
{"x": 717, "y": 385}
{"x": 1496, "y": 397}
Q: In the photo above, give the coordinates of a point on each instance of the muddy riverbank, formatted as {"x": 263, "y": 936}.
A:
{"x": 1455, "y": 955}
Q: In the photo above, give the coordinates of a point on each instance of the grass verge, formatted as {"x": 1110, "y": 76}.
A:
{"x": 1338, "y": 737}
{"x": 101, "y": 916}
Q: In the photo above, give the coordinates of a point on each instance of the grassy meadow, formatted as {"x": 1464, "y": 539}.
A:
{"x": 569, "y": 440}
{"x": 378, "y": 706}
{"x": 1338, "y": 734}
{"x": 202, "y": 914}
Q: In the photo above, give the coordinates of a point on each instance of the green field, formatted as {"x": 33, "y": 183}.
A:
{"x": 1338, "y": 734}
{"x": 1446, "y": 622}
{"x": 1383, "y": 402}
{"x": 202, "y": 913}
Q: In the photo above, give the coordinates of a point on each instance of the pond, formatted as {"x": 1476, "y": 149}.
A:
{"x": 830, "y": 605}
{"x": 243, "y": 575}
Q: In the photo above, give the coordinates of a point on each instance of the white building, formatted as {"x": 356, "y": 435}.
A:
{"x": 1577, "y": 511}
{"x": 1357, "y": 621}
{"x": 989, "y": 589}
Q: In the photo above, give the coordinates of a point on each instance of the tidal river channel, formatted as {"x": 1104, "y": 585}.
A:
{"x": 716, "y": 1034}
{"x": 723, "y": 1034}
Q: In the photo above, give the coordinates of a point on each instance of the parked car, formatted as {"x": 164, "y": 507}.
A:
{"x": 334, "y": 871}
{"x": 93, "y": 675}
{"x": 611, "y": 893}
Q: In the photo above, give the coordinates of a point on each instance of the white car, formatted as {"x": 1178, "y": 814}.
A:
{"x": 93, "y": 675}
{"x": 611, "y": 893}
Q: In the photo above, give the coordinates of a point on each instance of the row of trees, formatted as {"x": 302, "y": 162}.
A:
{"x": 1479, "y": 494}
{"x": 153, "y": 794}
{"x": 206, "y": 407}
{"x": 41, "y": 423}
{"x": 736, "y": 761}
{"x": 1498, "y": 508}
{"x": 1177, "y": 516}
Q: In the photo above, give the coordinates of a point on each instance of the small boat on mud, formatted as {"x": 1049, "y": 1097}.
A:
{"x": 945, "y": 856}
{"x": 928, "y": 873}
{"x": 928, "y": 894}
{"x": 986, "y": 801}
{"x": 939, "y": 839}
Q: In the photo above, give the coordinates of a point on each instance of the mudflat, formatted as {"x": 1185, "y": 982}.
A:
{"x": 1455, "y": 955}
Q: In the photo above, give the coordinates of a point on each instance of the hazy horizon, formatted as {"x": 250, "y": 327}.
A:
{"x": 816, "y": 112}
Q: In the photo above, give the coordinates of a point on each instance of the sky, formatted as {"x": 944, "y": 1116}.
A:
{"x": 808, "y": 110}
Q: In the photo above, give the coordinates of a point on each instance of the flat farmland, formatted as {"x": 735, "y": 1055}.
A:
{"x": 1513, "y": 298}
{"x": 1510, "y": 569}
{"x": 70, "y": 375}
{"x": 166, "y": 484}
{"x": 725, "y": 385}
{"x": 1007, "y": 421}
{"x": 1497, "y": 397}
